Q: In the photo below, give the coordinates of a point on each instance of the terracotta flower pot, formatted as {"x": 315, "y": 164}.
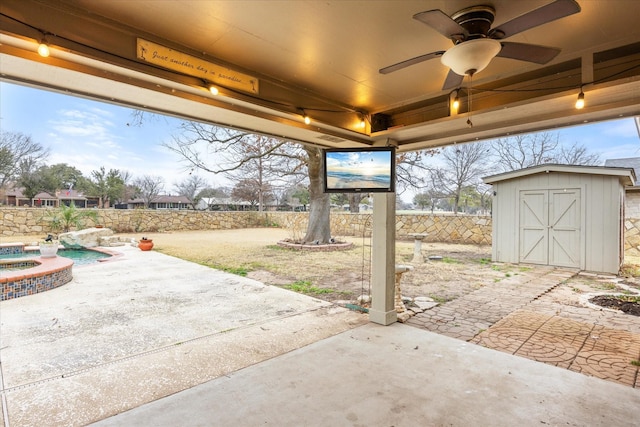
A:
{"x": 145, "y": 244}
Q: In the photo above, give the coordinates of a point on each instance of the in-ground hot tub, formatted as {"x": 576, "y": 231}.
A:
{"x": 22, "y": 277}
{"x": 23, "y": 272}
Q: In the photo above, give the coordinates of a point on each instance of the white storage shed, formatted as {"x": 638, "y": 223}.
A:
{"x": 560, "y": 215}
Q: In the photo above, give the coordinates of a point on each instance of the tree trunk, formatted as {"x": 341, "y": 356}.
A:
{"x": 456, "y": 200}
{"x": 319, "y": 228}
{"x": 354, "y": 202}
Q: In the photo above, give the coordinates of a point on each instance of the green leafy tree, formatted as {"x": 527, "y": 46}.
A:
{"x": 422, "y": 200}
{"x": 109, "y": 186}
{"x": 31, "y": 183}
{"x": 301, "y": 194}
{"x": 61, "y": 176}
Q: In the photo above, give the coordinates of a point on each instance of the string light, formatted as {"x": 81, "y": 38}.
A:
{"x": 580, "y": 100}
{"x": 214, "y": 90}
{"x": 362, "y": 123}
{"x": 456, "y": 101}
{"x": 43, "y": 48}
{"x": 306, "y": 118}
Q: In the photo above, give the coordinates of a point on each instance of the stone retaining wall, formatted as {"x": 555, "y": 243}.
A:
{"x": 632, "y": 237}
{"x": 439, "y": 227}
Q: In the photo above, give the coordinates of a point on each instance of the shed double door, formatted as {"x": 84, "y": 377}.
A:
{"x": 550, "y": 227}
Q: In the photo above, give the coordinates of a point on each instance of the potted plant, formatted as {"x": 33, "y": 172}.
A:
{"x": 49, "y": 247}
{"x": 145, "y": 244}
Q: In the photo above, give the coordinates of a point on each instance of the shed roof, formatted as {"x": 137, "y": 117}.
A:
{"x": 626, "y": 175}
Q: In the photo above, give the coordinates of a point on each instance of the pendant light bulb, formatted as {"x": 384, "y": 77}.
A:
{"x": 580, "y": 100}
{"x": 307, "y": 120}
{"x": 456, "y": 103}
{"x": 214, "y": 90}
{"x": 43, "y": 49}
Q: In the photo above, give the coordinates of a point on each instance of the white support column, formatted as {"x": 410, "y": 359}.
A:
{"x": 383, "y": 258}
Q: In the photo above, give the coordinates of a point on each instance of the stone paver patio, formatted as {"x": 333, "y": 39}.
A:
{"x": 521, "y": 316}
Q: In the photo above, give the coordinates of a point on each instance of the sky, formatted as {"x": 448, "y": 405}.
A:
{"x": 89, "y": 134}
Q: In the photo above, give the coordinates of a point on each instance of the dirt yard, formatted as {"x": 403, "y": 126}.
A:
{"x": 344, "y": 275}
{"x": 338, "y": 275}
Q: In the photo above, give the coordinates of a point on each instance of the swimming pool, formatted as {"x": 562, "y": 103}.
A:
{"x": 79, "y": 256}
{"x": 24, "y": 272}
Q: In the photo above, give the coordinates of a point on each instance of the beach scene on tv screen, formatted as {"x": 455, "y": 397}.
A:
{"x": 358, "y": 169}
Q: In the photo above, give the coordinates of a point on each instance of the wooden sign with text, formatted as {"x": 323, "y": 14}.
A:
{"x": 193, "y": 66}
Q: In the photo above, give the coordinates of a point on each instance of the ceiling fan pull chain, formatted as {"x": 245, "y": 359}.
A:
{"x": 469, "y": 101}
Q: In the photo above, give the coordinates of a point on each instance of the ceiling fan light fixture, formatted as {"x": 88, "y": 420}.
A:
{"x": 472, "y": 56}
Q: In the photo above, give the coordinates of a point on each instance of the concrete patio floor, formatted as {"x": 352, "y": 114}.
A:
{"x": 165, "y": 342}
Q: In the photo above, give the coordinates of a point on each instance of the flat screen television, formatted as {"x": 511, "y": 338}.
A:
{"x": 359, "y": 170}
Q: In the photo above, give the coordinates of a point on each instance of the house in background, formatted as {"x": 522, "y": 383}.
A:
{"x": 632, "y": 201}
{"x": 223, "y": 204}
{"x": 16, "y": 197}
{"x": 162, "y": 202}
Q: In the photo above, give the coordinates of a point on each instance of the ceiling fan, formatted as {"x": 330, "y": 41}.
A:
{"x": 476, "y": 43}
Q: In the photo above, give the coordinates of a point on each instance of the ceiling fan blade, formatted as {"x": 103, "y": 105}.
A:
{"x": 441, "y": 22}
{"x": 528, "y": 52}
{"x": 552, "y": 11}
{"x": 452, "y": 81}
{"x": 412, "y": 61}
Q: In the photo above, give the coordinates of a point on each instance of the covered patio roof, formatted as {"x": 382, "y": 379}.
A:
{"x": 277, "y": 61}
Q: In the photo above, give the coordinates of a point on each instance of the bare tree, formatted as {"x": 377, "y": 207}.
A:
{"x": 523, "y": 151}
{"x": 271, "y": 162}
{"x": 464, "y": 165}
{"x": 236, "y": 154}
{"x": 247, "y": 190}
{"x": 265, "y": 161}
{"x": 412, "y": 170}
{"x": 149, "y": 188}
{"x": 18, "y": 154}
{"x": 191, "y": 188}
{"x": 576, "y": 154}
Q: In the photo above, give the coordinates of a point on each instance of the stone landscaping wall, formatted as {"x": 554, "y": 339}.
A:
{"x": 438, "y": 227}
{"x": 632, "y": 237}
{"x": 18, "y": 221}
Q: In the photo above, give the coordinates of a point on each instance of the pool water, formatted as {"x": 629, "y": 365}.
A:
{"x": 79, "y": 256}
